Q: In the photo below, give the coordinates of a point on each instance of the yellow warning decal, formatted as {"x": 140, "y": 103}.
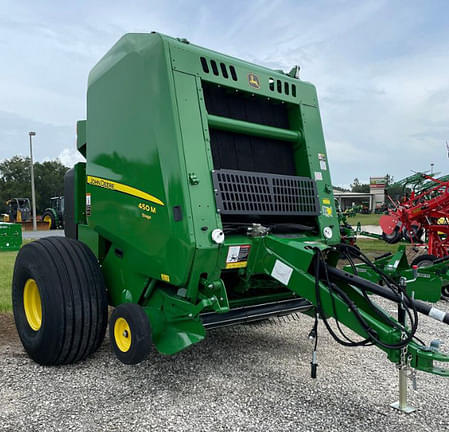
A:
{"x": 233, "y": 265}
{"x": 165, "y": 277}
{"x": 326, "y": 201}
{"x": 119, "y": 187}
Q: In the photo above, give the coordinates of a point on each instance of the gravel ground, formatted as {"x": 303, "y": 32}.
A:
{"x": 247, "y": 378}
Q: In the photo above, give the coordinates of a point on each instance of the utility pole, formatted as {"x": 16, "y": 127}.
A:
{"x": 33, "y": 195}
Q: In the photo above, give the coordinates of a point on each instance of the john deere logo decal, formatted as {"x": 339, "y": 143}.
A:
{"x": 253, "y": 80}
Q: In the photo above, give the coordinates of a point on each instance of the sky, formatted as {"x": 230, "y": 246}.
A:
{"x": 381, "y": 69}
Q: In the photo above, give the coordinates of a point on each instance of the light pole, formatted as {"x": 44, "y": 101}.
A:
{"x": 33, "y": 196}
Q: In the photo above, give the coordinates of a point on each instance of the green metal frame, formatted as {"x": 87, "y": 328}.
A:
{"x": 424, "y": 283}
{"x": 147, "y": 145}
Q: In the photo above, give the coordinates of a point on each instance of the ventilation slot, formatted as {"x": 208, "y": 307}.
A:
{"x": 214, "y": 67}
{"x": 233, "y": 73}
{"x": 282, "y": 87}
{"x": 249, "y": 193}
{"x": 204, "y": 65}
{"x": 223, "y": 69}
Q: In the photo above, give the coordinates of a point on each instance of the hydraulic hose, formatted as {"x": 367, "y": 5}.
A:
{"x": 357, "y": 281}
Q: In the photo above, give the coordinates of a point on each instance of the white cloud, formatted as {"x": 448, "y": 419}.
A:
{"x": 70, "y": 157}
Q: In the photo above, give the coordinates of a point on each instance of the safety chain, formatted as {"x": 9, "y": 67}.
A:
{"x": 412, "y": 374}
{"x": 403, "y": 362}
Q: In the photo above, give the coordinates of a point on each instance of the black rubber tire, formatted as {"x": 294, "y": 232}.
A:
{"x": 424, "y": 260}
{"x": 140, "y": 330}
{"x": 394, "y": 237}
{"x": 52, "y": 218}
{"x": 73, "y": 298}
{"x": 414, "y": 236}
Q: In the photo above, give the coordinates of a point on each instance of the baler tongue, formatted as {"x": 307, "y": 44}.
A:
{"x": 303, "y": 266}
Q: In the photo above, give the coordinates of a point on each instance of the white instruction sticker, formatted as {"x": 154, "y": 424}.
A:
{"x": 323, "y": 165}
{"x": 233, "y": 254}
{"x": 282, "y": 272}
{"x": 88, "y": 204}
{"x": 318, "y": 175}
{"x": 237, "y": 256}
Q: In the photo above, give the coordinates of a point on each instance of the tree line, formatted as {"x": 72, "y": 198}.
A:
{"x": 15, "y": 181}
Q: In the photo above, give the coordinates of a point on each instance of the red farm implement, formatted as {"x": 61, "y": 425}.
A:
{"x": 425, "y": 212}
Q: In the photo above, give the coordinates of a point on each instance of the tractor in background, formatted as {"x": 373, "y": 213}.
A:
{"x": 19, "y": 210}
{"x": 54, "y": 215}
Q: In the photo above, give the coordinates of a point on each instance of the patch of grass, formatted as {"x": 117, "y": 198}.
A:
{"x": 373, "y": 245}
{"x": 365, "y": 219}
{"x": 7, "y": 260}
{"x": 373, "y": 248}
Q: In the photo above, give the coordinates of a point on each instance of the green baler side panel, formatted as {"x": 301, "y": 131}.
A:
{"x": 133, "y": 139}
{"x": 314, "y": 163}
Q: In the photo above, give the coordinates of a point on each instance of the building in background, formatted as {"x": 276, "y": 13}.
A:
{"x": 373, "y": 199}
{"x": 348, "y": 199}
{"x": 377, "y": 187}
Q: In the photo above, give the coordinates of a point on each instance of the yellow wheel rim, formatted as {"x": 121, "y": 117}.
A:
{"x": 122, "y": 334}
{"x": 32, "y": 304}
{"x": 47, "y": 219}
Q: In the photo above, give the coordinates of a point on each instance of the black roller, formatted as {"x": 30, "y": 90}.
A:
{"x": 254, "y": 313}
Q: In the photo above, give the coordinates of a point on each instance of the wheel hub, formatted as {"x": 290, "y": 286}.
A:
{"x": 122, "y": 334}
{"x": 32, "y": 304}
